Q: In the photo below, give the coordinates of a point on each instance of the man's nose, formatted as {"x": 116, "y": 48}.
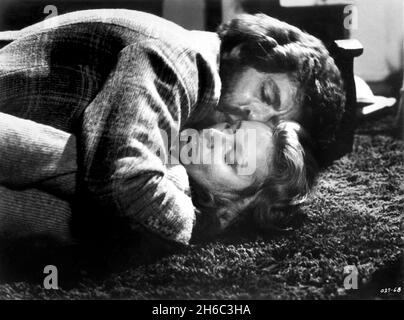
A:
{"x": 250, "y": 112}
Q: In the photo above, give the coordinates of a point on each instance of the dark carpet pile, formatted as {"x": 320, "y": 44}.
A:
{"x": 355, "y": 217}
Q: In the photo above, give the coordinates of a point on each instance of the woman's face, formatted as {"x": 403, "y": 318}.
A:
{"x": 231, "y": 157}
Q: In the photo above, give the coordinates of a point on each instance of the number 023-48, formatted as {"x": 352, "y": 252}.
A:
{"x": 391, "y": 290}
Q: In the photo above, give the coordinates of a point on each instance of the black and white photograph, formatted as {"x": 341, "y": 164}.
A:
{"x": 219, "y": 151}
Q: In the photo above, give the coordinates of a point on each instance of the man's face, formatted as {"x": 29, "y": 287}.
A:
{"x": 259, "y": 96}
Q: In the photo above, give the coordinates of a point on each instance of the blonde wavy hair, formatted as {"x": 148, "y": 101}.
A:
{"x": 268, "y": 205}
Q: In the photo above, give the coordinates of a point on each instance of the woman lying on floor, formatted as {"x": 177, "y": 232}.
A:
{"x": 38, "y": 173}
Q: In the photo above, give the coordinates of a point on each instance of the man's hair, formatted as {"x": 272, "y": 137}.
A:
{"x": 270, "y": 45}
{"x": 267, "y": 205}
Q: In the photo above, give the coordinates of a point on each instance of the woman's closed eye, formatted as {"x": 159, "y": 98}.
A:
{"x": 234, "y": 161}
{"x": 231, "y": 160}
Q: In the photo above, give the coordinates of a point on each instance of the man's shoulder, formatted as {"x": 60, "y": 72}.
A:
{"x": 124, "y": 19}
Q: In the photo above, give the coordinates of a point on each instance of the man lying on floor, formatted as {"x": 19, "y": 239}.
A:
{"x": 116, "y": 79}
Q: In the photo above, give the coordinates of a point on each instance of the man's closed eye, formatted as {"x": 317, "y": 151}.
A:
{"x": 270, "y": 94}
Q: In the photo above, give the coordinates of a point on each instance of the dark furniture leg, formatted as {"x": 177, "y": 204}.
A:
{"x": 344, "y": 53}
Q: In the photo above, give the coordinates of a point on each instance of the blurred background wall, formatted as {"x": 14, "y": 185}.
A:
{"x": 381, "y": 31}
{"x": 188, "y": 13}
{"x": 379, "y": 26}
{"x": 16, "y": 14}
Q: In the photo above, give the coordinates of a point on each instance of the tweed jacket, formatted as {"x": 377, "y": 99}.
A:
{"x": 115, "y": 78}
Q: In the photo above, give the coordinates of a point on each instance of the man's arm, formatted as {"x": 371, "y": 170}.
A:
{"x": 120, "y": 130}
